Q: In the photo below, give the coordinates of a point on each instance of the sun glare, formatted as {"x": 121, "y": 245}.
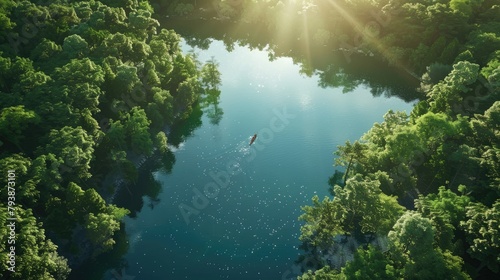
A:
{"x": 365, "y": 31}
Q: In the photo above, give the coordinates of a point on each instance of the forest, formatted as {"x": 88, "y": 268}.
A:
{"x": 86, "y": 90}
{"x": 88, "y": 87}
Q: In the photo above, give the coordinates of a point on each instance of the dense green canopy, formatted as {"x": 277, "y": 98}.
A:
{"x": 86, "y": 90}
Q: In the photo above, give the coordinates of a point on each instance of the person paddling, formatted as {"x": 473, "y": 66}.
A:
{"x": 253, "y": 139}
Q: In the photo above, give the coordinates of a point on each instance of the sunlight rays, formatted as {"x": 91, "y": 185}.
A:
{"x": 286, "y": 32}
{"x": 285, "y": 19}
{"x": 346, "y": 15}
{"x": 306, "y": 37}
{"x": 364, "y": 30}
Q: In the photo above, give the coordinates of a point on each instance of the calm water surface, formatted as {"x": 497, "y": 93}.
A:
{"x": 249, "y": 228}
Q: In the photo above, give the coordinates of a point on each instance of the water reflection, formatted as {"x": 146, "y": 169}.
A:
{"x": 146, "y": 190}
{"x": 336, "y": 68}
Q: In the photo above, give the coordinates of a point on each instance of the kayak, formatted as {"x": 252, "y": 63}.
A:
{"x": 253, "y": 139}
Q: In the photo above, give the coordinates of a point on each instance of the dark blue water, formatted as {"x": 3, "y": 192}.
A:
{"x": 243, "y": 224}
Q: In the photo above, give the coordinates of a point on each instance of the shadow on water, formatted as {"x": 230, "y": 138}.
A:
{"x": 145, "y": 191}
{"x": 107, "y": 265}
{"x": 131, "y": 197}
{"x": 210, "y": 105}
{"x": 184, "y": 129}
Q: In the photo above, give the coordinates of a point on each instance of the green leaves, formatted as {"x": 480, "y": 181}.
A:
{"x": 136, "y": 125}
{"x": 75, "y": 46}
{"x": 369, "y": 264}
{"x": 446, "y": 210}
{"x": 358, "y": 208}
{"x": 14, "y": 121}
{"x": 323, "y": 222}
{"x": 412, "y": 252}
{"x": 448, "y": 94}
{"x": 36, "y": 256}
{"x": 161, "y": 142}
{"x": 84, "y": 57}
{"x": 483, "y": 234}
{"x": 100, "y": 229}
{"x": 75, "y": 147}
{"x": 350, "y": 155}
{"x": 80, "y": 71}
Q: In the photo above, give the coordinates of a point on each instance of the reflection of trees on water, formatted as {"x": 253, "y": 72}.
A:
{"x": 346, "y": 69}
{"x": 211, "y": 106}
{"x": 371, "y": 73}
{"x": 195, "y": 42}
{"x": 211, "y": 79}
{"x": 183, "y": 129}
{"x": 105, "y": 264}
{"x": 131, "y": 197}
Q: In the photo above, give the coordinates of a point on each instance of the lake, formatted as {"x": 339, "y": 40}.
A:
{"x": 227, "y": 210}
{"x": 243, "y": 222}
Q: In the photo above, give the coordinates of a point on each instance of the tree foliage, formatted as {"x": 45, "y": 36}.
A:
{"x": 483, "y": 234}
{"x": 86, "y": 90}
{"x": 36, "y": 255}
{"x": 347, "y": 212}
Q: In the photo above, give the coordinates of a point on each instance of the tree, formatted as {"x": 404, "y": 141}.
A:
{"x": 483, "y": 234}
{"x": 483, "y": 45}
{"x": 187, "y": 93}
{"x": 108, "y": 18}
{"x": 435, "y": 73}
{"x": 446, "y": 210}
{"x": 83, "y": 96}
{"x": 5, "y": 7}
{"x": 325, "y": 273}
{"x": 45, "y": 175}
{"x": 136, "y": 124}
{"x": 364, "y": 208}
{"x": 369, "y": 264}
{"x": 80, "y": 202}
{"x": 322, "y": 222}
{"x": 128, "y": 85}
{"x": 45, "y": 51}
{"x": 164, "y": 101}
{"x": 36, "y": 256}
{"x": 446, "y": 95}
{"x": 76, "y": 206}
{"x": 80, "y": 71}
{"x": 75, "y": 147}
{"x": 14, "y": 121}
{"x": 13, "y": 69}
{"x": 350, "y": 154}
{"x": 161, "y": 142}
{"x": 393, "y": 121}
{"x": 450, "y": 52}
{"x": 62, "y": 19}
{"x": 75, "y": 46}
{"x": 413, "y": 255}
{"x": 118, "y": 45}
{"x": 141, "y": 22}
{"x": 26, "y": 192}
{"x": 358, "y": 208}
{"x": 30, "y": 82}
{"x": 116, "y": 135}
{"x": 485, "y": 134}
{"x": 100, "y": 229}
